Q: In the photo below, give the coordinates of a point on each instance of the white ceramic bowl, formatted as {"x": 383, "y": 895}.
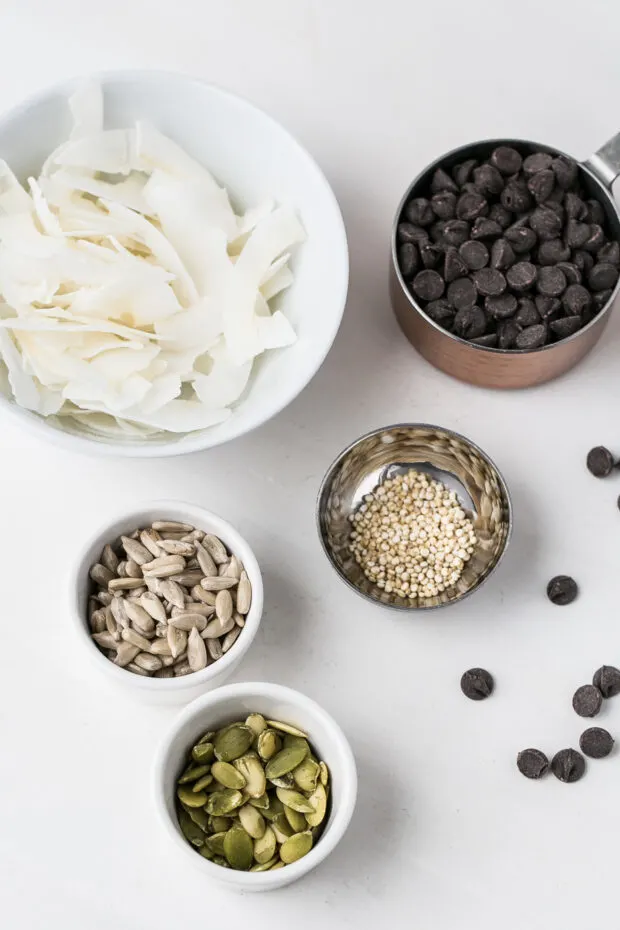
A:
{"x": 164, "y": 690}
{"x": 234, "y": 702}
{"x": 253, "y": 157}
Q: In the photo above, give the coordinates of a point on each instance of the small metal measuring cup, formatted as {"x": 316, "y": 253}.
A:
{"x": 502, "y": 368}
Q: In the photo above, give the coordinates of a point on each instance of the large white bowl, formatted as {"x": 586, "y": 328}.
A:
{"x": 163, "y": 690}
{"x": 235, "y": 702}
{"x": 253, "y": 157}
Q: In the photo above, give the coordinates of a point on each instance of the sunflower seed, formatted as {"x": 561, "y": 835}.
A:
{"x": 110, "y": 622}
{"x": 172, "y": 592}
{"x": 121, "y": 570}
{"x": 136, "y": 593}
{"x": 206, "y": 597}
{"x": 189, "y": 621}
{"x": 182, "y": 669}
{"x": 230, "y": 639}
{"x": 171, "y": 526}
{"x": 101, "y": 575}
{"x": 224, "y": 606}
{"x": 221, "y": 569}
{"x": 133, "y": 570}
{"x": 125, "y": 654}
{"x": 148, "y": 662}
{"x": 177, "y": 640}
{"x": 177, "y": 547}
{"x": 160, "y": 647}
{"x": 234, "y": 568}
{"x": 109, "y": 559}
{"x": 164, "y": 566}
{"x": 216, "y": 628}
{"x": 132, "y": 667}
{"x": 239, "y": 620}
{"x": 215, "y": 548}
{"x": 104, "y": 597}
{"x": 214, "y": 648}
{"x": 218, "y": 583}
{"x": 125, "y": 584}
{"x": 153, "y": 606}
{"x": 105, "y": 640}
{"x": 139, "y": 617}
{"x": 205, "y": 561}
{"x": 164, "y": 673}
{"x": 196, "y": 651}
{"x": 150, "y": 540}
{"x": 193, "y": 608}
{"x": 98, "y": 621}
{"x": 188, "y": 578}
{"x": 153, "y": 584}
{"x": 136, "y": 551}
{"x": 136, "y": 639}
{"x": 244, "y": 594}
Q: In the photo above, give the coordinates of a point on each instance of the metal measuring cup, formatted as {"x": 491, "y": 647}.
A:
{"x": 502, "y": 368}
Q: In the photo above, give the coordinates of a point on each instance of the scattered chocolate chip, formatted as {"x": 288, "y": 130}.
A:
{"x": 462, "y": 294}
{"x": 545, "y": 222}
{"x": 541, "y": 185}
{"x": 548, "y": 307}
{"x": 596, "y": 742}
{"x": 408, "y": 259}
{"x": 507, "y": 332}
{"x": 610, "y": 252}
{"x": 470, "y": 322}
{"x": 500, "y": 215}
{"x": 583, "y": 260}
{"x": 442, "y": 182}
{"x": 489, "y": 282}
{"x": 463, "y": 171}
{"x": 577, "y": 234}
{"x": 575, "y": 207}
{"x": 428, "y": 285}
{"x": 566, "y": 326}
{"x": 419, "y": 212}
{"x": 470, "y": 206}
{"x": 539, "y": 161}
{"x": 407, "y": 232}
{"x": 455, "y": 232}
{"x": 532, "y": 763}
{"x": 565, "y": 170}
{"x": 607, "y": 680}
{"x": 595, "y": 212}
{"x": 516, "y": 196}
{"x": 485, "y": 228}
{"x": 600, "y": 462}
{"x": 520, "y": 237}
{"x": 440, "y": 311}
{"x": 601, "y": 298}
{"x": 488, "y": 180}
{"x": 562, "y": 590}
{"x": 571, "y": 272}
{"x": 596, "y": 239}
{"x": 500, "y": 308}
{"x": 533, "y": 337}
{"x": 474, "y": 254}
{"x": 551, "y": 281}
{"x": 587, "y": 701}
{"x": 575, "y": 299}
{"x": 487, "y": 342}
{"x": 552, "y": 251}
{"x": 444, "y": 205}
{"x": 603, "y": 276}
{"x": 502, "y": 255}
{"x": 454, "y": 267}
{"x": 521, "y": 276}
{"x": 527, "y": 314}
{"x": 430, "y": 255}
{"x": 568, "y": 765}
{"x": 506, "y": 159}
{"x": 477, "y": 684}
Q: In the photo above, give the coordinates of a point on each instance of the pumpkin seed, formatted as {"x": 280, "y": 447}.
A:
{"x": 219, "y": 824}
{"x": 193, "y": 773}
{"x": 238, "y": 849}
{"x": 191, "y": 831}
{"x": 296, "y": 847}
{"x": 266, "y": 867}
{"x": 284, "y": 781}
{"x": 200, "y": 817}
{"x": 265, "y": 846}
{"x": 296, "y": 820}
{"x": 282, "y": 829}
{"x": 286, "y": 760}
{"x": 250, "y": 767}
{"x": 318, "y": 800}
{"x": 286, "y": 728}
{"x": 233, "y": 742}
{"x": 202, "y": 783}
{"x": 324, "y": 774}
{"x": 219, "y": 860}
{"x": 203, "y": 752}
{"x": 206, "y": 852}
{"x": 223, "y": 802}
{"x": 227, "y": 775}
{"x": 275, "y": 807}
{"x": 252, "y": 821}
{"x": 268, "y": 744}
{"x": 279, "y": 865}
{"x": 215, "y": 842}
{"x": 296, "y": 800}
{"x": 306, "y": 775}
{"x": 191, "y": 798}
{"x": 256, "y": 723}
{"x": 262, "y": 802}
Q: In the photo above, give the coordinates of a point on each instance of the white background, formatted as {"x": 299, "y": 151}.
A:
{"x": 447, "y": 833}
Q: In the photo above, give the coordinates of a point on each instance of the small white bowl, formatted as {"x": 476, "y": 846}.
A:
{"x": 164, "y": 690}
{"x": 253, "y": 157}
{"x": 235, "y": 702}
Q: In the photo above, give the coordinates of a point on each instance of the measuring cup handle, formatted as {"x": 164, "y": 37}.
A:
{"x": 605, "y": 163}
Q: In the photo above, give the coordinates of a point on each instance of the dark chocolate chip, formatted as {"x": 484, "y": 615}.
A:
{"x": 431, "y": 255}
{"x": 574, "y": 206}
{"x": 521, "y": 237}
{"x": 440, "y": 311}
{"x": 516, "y": 196}
{"x": 484, "y": 228}
{"x": 477, "y": 684}
{"x": 610, "y": 252}
{"x": 487, "y": 342}
{"x": 568, "y": 765}
{"x": 521, "y": 276}
{"x": 565, "y": 170}
{"x": 532, "y": 763}
{"x": 600, "y": 462}
{"x": 596, "y": 239}
{"x": 533, "y": 337}
{"x": 500, "y": 215}
{"x": 436, "y": 230}
{"x": 583, "y": 260}
{"x": 407, "y": 232}
{"x": 442, "y": 182}
{"x": 571, "y": 272}
{"x": 419, "y": 212}
{"x": 506, "y": 159}
{"x": 444, "y": 205}
{"x": 428, "y": 285}
{"x": 603, "y": 276}
{"x": 539, "y": 161}
{"x": 551, "y": 281}
{"x": 462, "y": 294}
{"x": 567, "y": 326}
{"x": 601, "y": 298}
{"x": 500, "y": 308}
{"x": 408, "y": 259}
{"x": 541, "y": 185}
{"x": 552, "y": 251}
{"x": 527, "y": 314}
{"x": 562, "y": 590}
{"x": 595, "y": 212}
{"x": 607, "y": 680}
{"x": 545, "y": 222}
{"x": 490, "y": 282}
{"x": 454, "y": 266}
{"x": 470, "y": 206}
{"x": 507, "y": 332}
{"x": 470, "y": 322}
{"x": 548, "y": 307}
{"x": 587, "y": 701}
{"x": 575, "y": 299}
{"x": 488, "y": 180}
{"x": 577, "y": 234}
{"x": 463, "y": 171}
{"x": 596, "y": 742}
{"x": 455, "y": 232}
{"x": 502, "y": 255}
{"x": 474, "y": 254}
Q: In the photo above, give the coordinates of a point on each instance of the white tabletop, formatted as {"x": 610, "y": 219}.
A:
{"x": 447, "y": 833}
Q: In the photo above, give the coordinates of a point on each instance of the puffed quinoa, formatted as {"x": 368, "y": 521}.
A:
{"x": 411, "y": 537}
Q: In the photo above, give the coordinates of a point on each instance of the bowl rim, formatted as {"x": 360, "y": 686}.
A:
{"x": 215, "y": 671}
{"x": 341, "y": 817}
{"x": 199, "y": 440}
{"x": 437, "y": 162}
{"x": 325, "y": 486}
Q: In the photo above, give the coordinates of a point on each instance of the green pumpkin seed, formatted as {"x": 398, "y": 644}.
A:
{"x": 318, "y": 800}
{"x": 238, "y": 849}
{"x": 324, "y": 776}
{"x": 206, "y": 852}
{"x": 191, "y": 798}
{"x": 290, "y": 742}
{"x": 199, "y": 816}
{"x": 256, "y": 723}
{"x": 207, "y": 738}
{"x": 193, "y": 773}
{"x": 250, "y": 767}
{"x": 275, "y": 807}
{"x": 227, "y": 775}
{"x": 219, "y": 860}
{"x": 262, "y": 803}
{"x": 223, "y": 802}
{"x": 266, "y": 866}
{"x": 219, "y": 824}
{"x": 252, "y": 821}
{"x": 286, "y": 728}
{"x": 279, "y": 865}
{"x": 216, "y": 843}
{"x": 202, "y": 783}
{"x": 203, "y": 752}
{"x": 306, "y": 775}
{"x": 282, "y": 829}
{"x": 296, "y": 800}
{"x": 231, "y": 743}
{"x": 285, "y": 781}
{"x": 265, "y": 846}
{"x": 268, "y": 744}
{"x": 296, "y": 847}
{"x": 190, "y": 830}
{"x": 296, "y": 820}
{"x": 286, "y": 760}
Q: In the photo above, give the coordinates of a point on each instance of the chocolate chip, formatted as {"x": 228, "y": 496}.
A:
{"x": 442, "y": 182}
{"x": 562, "y": 590}
{"x": 507, "y": 332}
{"x": 583, "y": 260}
{"x": 552, "y": 251}
{"x": 500, "y": 215}
{"x": 502, "y": 255}
{"x": 551, "y": 281}
{"x": 575, "y": 299}
{"x": 548, "y": 307}
{"x": 490, "y": 282}
{"x": 574, "y": 206}
{"x": 485, "y": 228}
{"x": 596, "y": 239}
{"x": 440, "y": 311}
{"x": 471, "y": 206}
{"x": 527, "y": 314}
{"x": 539, "y": 161}
{"x": 430, "y": 255}
{"x": 462, "y": 295}
{"x": 601, "y": 298}
{"x": 600, "y": 462}
{"x": 521, "y": 276}
{"x": 532, "y": 763}
{"x": 610, "y": 252}
{"x": 603, "y": 276}
{"x": 463, "y": 171}
{"x": 595, "y": 212}
{"x": 607, "y": 680}
{"x": 500, "y": 307}
{"x": 516, "y": 196}
{"x": 541, "y": 185}
{"x": 587, "y": 701}
{"x": 568, "y": 765}
{"x": 488, "y": 180}
{"x": 533, "y": 337}
{"x": 487, "y": 342}
{"x": 477, "y": 684}
{"x": 545, "y": 222}
{"x": 520, "y": 237}
{"x": 455, "y": 232}
{"x": 419, "y": 212}
{"x": 408, "y": 259}
{"x": 506, "y": 159}
{"x": 596, "y": 742}
{"x": 454, "y": 266}
{"x": 444, "y": 205}
{"x": 566, "y": 326}
{"x": 571, "y": 272}
{"x": 565, "y": 170}
{"x": 474, "y": 254}
{"x": 470, "y": 322}
{"x": 428, "y": 285}
{"x": 577, "y": 234}
{"x": 407, "y": 232}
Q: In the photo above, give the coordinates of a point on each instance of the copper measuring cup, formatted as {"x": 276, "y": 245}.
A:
{"x": 501, "y": 368}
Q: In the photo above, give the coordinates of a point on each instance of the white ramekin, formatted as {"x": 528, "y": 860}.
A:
{"x": 235, "y": 702}
{"x": 164, "y": 690}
